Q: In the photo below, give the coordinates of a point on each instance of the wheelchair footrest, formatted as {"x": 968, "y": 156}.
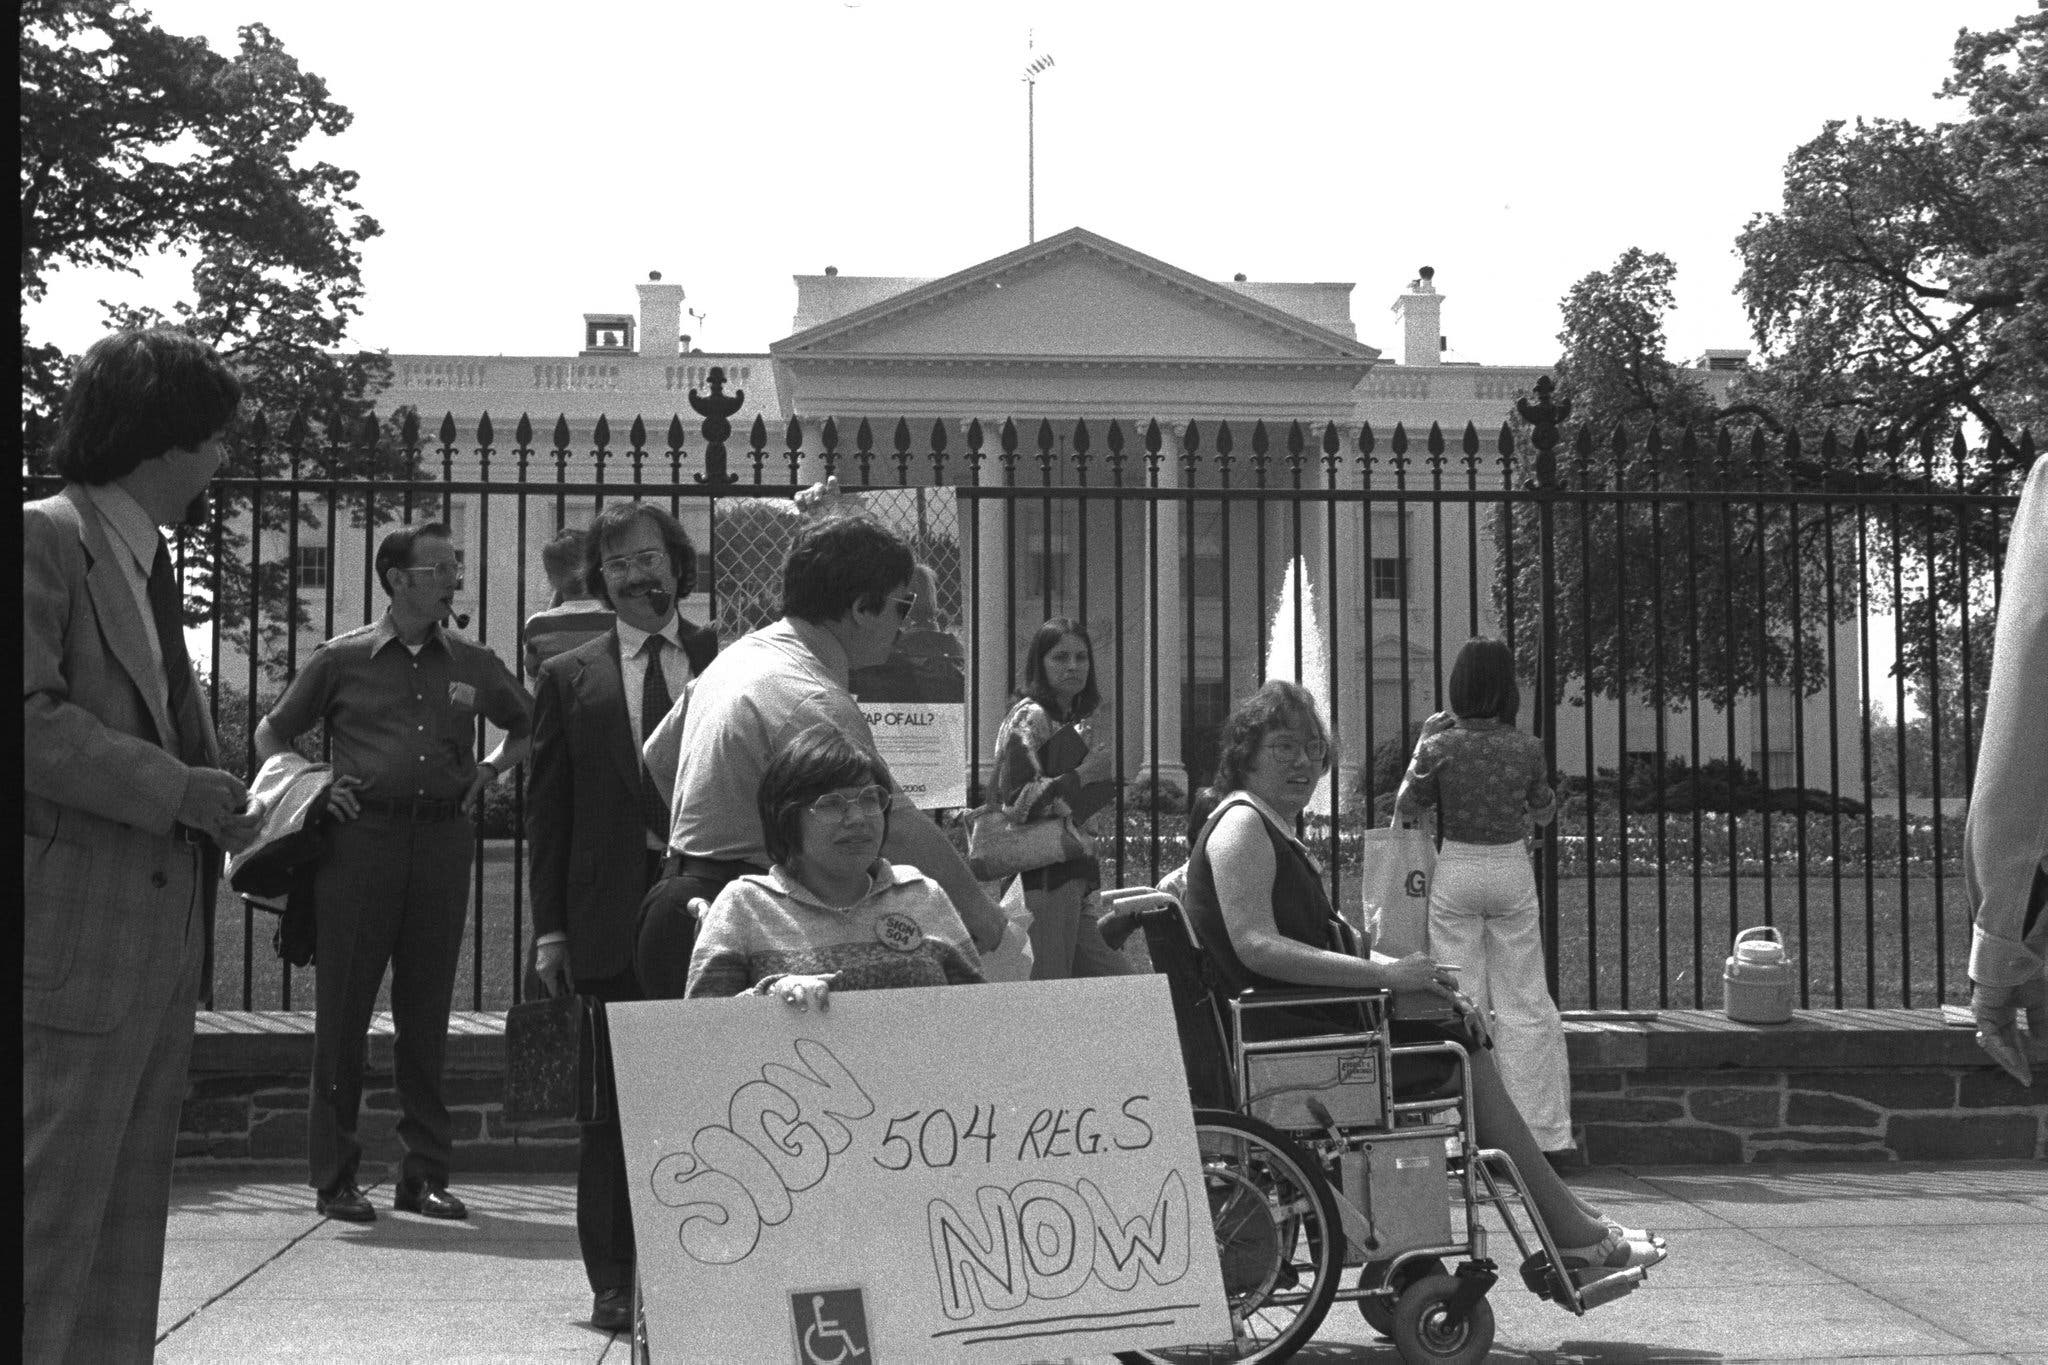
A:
{"x": 1595, "y": 1284}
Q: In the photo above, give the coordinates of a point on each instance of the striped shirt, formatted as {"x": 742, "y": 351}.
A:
{"x": 765, "y": 926}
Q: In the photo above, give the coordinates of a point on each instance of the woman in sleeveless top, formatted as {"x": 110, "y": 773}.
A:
{"x": 1256, "y": 898}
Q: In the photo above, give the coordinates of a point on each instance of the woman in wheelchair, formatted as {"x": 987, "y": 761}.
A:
{"x": 1256, "y": 899}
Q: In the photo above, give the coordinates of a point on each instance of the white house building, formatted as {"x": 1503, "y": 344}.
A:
{"x": 1072, "y": 328}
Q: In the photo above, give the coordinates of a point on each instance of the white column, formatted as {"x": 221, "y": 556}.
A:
{"x": 1164, "y": 604}
{"x": 992, "y": 681}
{"x": 1350, "y": 610}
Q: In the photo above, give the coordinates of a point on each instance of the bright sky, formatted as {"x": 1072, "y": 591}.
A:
{"x": 531, "y": 163}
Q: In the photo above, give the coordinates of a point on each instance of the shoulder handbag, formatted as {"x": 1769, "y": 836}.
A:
{"x": 999, "y": 845}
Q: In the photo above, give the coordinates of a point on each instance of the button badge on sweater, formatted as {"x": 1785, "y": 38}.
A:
{"x": 899, "y": 933}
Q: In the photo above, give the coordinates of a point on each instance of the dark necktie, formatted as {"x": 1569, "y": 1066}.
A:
{"x": 655, "y": 700}
{"x": 170, "y": 638}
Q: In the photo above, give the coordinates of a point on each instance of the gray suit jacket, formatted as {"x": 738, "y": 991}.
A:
{"x": 106, "y": 887}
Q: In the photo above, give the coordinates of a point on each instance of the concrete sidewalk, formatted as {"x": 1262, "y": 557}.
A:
{"x": 1833, "y": 1263}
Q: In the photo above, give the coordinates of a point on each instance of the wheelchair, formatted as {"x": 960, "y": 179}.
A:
{"x": 1327, "y": 1154}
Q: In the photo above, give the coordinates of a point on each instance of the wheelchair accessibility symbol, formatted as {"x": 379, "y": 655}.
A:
{"x": 831, "y": 1327}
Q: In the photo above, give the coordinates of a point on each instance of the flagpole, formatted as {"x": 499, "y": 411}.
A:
{"x": 1032, "y": 71}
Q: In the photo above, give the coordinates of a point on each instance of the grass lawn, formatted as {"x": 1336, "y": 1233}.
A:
{"x": 1609, "y": 959}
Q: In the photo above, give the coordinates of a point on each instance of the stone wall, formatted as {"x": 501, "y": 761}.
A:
{"x": 1680, "y": 1088}
{"x": 248, "y": 1097}
{"x": 1832, "y": 1085}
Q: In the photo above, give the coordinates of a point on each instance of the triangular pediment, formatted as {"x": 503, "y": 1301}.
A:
{"x": 1077, "y": 296}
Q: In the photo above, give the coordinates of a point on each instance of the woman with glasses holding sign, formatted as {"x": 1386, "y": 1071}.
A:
{"x": 1488, "y": 783}
{"x": 1049, "y": 768}
{"x": 832, "y": 913}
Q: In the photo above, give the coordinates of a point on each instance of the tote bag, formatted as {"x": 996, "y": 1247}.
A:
{"x": 1396, "y": 867}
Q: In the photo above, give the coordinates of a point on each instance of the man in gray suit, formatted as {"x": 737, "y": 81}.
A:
{"x": 125, "y": 812}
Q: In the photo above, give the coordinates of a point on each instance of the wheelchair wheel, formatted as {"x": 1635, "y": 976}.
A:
{"x": 1277, "y": 1236}
{"x": 1379, "y": 1313}
{"x": 1423, "y": 1331}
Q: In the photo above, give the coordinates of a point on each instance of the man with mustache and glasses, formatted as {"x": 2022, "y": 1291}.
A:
{"x": 599, "y": 825}
{"x": 847, "y": 587}
{"x": 400, "y": 700}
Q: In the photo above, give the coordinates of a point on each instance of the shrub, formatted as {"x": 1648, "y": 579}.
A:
{"x": 498, "y": 812}
{"x": 1150, "y": 789}
{"x": 1382, "y": 777}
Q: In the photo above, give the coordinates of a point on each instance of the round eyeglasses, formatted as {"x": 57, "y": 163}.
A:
{"x": 1288, "y": 749}
{"x": 869, "y": 800}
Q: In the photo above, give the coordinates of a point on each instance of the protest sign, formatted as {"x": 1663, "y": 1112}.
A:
{"x": 915, "y": 701}
{"x": 937, "y": 1174}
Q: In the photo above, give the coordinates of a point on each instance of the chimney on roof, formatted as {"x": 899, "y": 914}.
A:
{"x": 661, "y": 316}
{"x": 1420, "y": 312}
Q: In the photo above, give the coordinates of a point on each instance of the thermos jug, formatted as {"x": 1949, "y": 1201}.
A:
{"x": 1757, "y": 984}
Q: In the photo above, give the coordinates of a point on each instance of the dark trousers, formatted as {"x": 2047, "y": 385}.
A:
{"x": 668, "y": 931}
{"x": 388, "y": 893}
{"x": 604, "y": 1211}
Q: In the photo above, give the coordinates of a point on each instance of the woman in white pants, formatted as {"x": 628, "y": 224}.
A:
{"x": 1488, "y": 784}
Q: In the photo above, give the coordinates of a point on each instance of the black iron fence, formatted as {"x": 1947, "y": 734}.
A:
{"x": 1757, "y": 664}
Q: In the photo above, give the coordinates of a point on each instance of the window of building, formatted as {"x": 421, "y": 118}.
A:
{"x": 458, "y": 529}
{"x": 1390, "y": 580}
{"x": 1777, "y": 767}
{"x": 309, "y": 566}
{"x": 1046, "y": 565}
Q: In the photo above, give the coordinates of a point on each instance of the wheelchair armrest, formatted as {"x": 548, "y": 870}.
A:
{"x": 1318, "y": 995}
{"x": 1139, "y": 898}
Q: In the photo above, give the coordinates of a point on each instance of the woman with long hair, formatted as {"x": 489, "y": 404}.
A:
{"x": 1048, "y": 767}
{"x": 1488, "y": 784}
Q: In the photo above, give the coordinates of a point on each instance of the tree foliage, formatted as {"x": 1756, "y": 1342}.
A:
{"x": 1903, "y": 284}
{"x": 1659, "y": 600}
{"x": 1903, "y": 287}
{"x": 136, "y": 142}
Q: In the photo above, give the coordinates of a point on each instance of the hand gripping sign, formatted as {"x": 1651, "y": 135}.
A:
{"x": 915, "y": 1175}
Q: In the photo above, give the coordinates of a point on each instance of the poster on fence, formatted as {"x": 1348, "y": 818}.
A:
{"x": 914, "y": 1175}
{"x": 915, "y": 701}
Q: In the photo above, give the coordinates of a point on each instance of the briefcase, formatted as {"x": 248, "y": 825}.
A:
{"x": 543, "y": 1039}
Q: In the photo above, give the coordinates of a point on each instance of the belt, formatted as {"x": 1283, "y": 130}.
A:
{"x": 683, "y": 865}
{"x": 417, "y": 812}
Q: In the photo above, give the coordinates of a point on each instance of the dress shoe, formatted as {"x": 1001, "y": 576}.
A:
{"x": 428, "y": 1199}
{"x": 348, "y": 1204}
{"x": 612, "y": 1310}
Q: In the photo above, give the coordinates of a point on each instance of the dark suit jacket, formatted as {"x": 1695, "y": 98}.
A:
{"x": 105, "y": 886}
{"x": 588, "y": 855}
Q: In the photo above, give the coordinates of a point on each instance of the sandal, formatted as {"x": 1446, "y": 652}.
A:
{"x": 1612, "y": 1252}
